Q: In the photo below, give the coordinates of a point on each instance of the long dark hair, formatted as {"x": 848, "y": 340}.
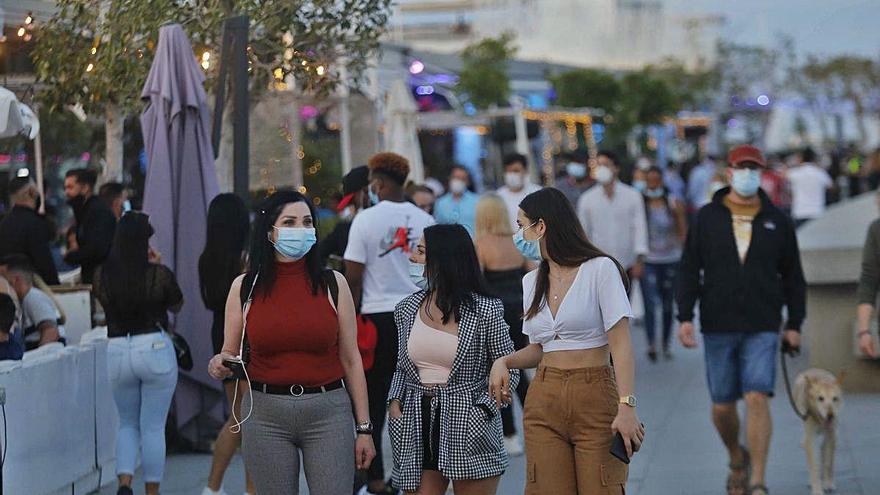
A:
{"x": 566, "y": 242}
{"x": 452, "y": 269}
{"x": 225, "y": 243}
{"x": 262, "y": 253}
{"x": 124, "y": 273}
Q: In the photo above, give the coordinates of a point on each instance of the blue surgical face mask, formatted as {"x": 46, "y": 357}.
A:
{"x": 640, "y": 185}
{"x": 126, "y": 205}
{"x": 295, "y": 242}
{"x": 374, "y": 198}
{"x": 576, "y": 170}
{"x": 746, "y": 182}
{"x": 417, "y": 275}
{"x": 654, "y": 193}
{"x": 530, "y": 249}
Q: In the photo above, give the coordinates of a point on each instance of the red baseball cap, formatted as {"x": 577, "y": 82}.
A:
{"x": 746, "y": 153}
{"x": 354, "y": 181}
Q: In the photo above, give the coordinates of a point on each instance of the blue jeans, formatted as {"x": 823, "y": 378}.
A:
{"x": 657, "y": 285}
{"x": 739, "y": 362}
{"x": 143, "y": 374}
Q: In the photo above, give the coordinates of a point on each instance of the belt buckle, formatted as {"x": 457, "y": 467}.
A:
{"x": 293, "y": 390}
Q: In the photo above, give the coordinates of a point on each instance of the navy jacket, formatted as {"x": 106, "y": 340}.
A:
{"x": 741, "y": 296}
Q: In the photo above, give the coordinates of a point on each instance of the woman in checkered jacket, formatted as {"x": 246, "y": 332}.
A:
{"x": 442, "y": 423}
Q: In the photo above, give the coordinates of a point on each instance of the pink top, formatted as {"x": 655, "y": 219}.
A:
{"x": 432, "y": 351}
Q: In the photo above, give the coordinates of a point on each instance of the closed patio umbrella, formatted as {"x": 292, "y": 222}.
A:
{"x": 401, "y": 132}
{"x": 181, "y": 181}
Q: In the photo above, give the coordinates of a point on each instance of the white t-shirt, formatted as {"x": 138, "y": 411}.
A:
{"x": 37, "y": 307}
{"x": 596, "y": 301}
{"x": 513, "y": 199}
{"x": 382, "y": 238}
{"x": 808, "y": 184}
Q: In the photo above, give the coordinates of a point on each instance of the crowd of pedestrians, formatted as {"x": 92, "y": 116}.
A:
{"x": 421, "y": 311}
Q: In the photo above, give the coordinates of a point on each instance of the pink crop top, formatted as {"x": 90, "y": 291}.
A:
{"x": 432, "y": 351}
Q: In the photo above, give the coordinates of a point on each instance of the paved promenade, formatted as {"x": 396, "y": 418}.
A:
{"x": 682, "y": 454}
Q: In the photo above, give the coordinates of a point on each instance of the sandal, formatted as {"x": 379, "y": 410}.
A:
{"x": 758, "y": 490}
{"x": 738, "y": 479}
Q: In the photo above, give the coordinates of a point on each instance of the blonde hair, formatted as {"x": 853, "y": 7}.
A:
{"x": 492, "y": 216}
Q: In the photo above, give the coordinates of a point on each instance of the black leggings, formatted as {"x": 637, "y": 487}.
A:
{"x": 379, "y": 383}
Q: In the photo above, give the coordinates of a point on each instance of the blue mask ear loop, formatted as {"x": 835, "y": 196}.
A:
{"x": 236, "y": 428}
{"x": 538, "y": 240}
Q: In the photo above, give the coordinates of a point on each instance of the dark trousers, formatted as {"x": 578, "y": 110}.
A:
{"x": 657, "y": 285}
{"x": 513, "y": 317}
{"x": 379, "y": 382}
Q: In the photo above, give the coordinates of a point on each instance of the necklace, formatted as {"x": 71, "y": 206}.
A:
{"x": 561, "y": 281}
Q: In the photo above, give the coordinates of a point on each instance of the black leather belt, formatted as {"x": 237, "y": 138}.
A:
{"x": 295, "y": 390}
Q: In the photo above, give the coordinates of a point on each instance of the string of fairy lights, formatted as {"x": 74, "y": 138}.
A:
{"x": 24, "y": 31}
{"x": 554, "y": 140}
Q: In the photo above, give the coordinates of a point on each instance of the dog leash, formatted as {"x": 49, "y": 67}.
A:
{"x": 782, "y": 354}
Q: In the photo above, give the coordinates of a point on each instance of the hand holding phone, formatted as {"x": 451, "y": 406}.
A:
{"x": 236, "y": 366}
{"x": 618, "y": 448}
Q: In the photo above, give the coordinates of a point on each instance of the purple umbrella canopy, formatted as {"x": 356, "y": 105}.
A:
{"x": 181, "y": 182}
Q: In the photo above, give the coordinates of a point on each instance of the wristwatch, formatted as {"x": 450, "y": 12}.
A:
{"x": 629, "y": 400}
{"x": 364, "y": 428}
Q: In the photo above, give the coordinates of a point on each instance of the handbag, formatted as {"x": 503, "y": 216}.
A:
{"x": 367, "y": 335}
{"x": 181, "y": 349}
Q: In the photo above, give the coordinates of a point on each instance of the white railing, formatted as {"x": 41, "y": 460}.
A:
{"x": 60, "y": 419}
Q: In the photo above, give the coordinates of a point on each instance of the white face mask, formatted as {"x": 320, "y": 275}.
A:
{"x": 604, "y": 175}
{"x": 457, "y": 186}
{"x": 514, "y": 180}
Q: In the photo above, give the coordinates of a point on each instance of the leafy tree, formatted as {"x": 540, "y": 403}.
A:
{"x": 845, "y": 78}
{"x": 97, "y": 53}
{"x": 587, "y": 88}
{"x": 646, "y": 99}
{"x": 483, "y": 77}
{"x": 693, "y": 88}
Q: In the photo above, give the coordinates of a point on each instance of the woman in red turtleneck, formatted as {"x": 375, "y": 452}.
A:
{"x": 304, "y": 367}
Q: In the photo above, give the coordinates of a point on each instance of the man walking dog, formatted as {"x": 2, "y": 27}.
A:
{"x": 741, "y": 260}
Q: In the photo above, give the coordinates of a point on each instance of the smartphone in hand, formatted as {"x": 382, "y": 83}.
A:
{"x": 236, "y": 366}
{"x": 618, "y": 448}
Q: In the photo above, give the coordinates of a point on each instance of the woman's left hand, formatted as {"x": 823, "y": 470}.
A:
{"x": 364, "y": 451}
{"x": 627, "y": 424}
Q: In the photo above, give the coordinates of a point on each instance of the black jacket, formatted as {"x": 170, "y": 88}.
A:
{"x": 24, "y": 231}
{"x": 735, "y": 296}
{"x": 95, "y": 226}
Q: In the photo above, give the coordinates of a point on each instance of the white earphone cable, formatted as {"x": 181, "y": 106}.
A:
{"x": 236, "y": 428}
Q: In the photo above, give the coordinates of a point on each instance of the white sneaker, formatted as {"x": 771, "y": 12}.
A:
{"x": 208, "y": 491}
{"x": 513, "y": 446}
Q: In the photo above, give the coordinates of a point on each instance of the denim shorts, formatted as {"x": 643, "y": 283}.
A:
{"x": 740, "y": 362}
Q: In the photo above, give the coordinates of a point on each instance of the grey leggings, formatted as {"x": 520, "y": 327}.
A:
{"x": 321, "y": 426}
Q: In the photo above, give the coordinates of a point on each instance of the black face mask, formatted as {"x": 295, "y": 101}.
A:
{"x": 38, "y": 201}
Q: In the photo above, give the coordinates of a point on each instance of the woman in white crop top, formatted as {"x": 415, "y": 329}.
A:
{"x": 577, "y": 317}
{"x": 442, "y": 423}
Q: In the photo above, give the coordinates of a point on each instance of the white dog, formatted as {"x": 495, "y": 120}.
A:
{"x": 817, "y": 393}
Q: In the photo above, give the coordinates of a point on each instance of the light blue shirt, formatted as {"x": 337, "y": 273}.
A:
{"x": 698, "y": 184}
{"x": 463, "y": 210}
